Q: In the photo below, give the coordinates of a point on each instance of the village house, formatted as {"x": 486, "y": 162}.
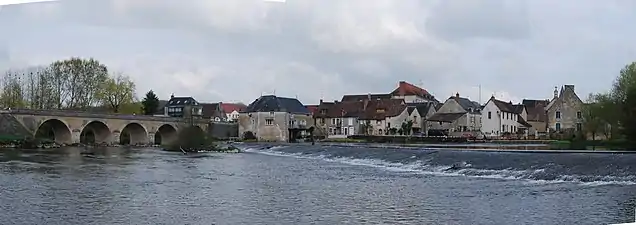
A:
{"x": 536, "y": 117}
{"x": 338, "y": 119}
{"x": 232, "y": 110}
{"x": 213, "y": 112}
{"x": 419, "y": 113}
{"x": 456, "y": 115}
{"x": 185, "y": 107}
{"x": 406, "y": 91}
{"x": 501, "y": 118}
{"x": 383, "y": 116}
{"x": 273, "y": 118}
{"x": 564, "y": 110}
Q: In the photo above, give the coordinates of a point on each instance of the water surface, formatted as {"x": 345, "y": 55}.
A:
{"x": 314, "y": 185}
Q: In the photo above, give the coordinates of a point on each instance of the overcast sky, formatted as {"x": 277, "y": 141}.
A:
{"x": 234, "y": 50}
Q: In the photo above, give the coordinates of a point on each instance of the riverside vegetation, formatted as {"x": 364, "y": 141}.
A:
{"x": 81, "y": 84}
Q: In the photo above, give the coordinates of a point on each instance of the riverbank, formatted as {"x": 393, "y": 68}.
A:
{"x": 527, "y": 148}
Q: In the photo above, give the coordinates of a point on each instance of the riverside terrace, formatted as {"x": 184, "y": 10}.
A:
{"x": 70, "y": 127}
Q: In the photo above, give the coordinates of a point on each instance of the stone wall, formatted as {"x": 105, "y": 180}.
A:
{"x": 10, "y": 126}
{"x": 223, "y": 130}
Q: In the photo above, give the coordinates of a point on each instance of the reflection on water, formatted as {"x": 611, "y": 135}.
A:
{"x": 147, "y": 186}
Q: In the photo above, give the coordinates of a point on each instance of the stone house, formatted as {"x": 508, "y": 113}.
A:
{"x": 339, "y": 119}
{"x": 536, "y": 117}
{"x": 184, "y": 107}
{"x": 564, "y": 110}
{"x": 457, "y": 114}
{"x": 499, "y": 118}
{"x": 273, "y": 118}
{"x": 419, "y": 113}
{"x": 383, "y": 116}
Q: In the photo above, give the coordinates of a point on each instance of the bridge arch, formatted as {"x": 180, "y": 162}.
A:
{"x": 95, "y": 132}
{"x": 56, "y": 130}
{"x": 132, "y": 134}
{"x": 166, "y": 134}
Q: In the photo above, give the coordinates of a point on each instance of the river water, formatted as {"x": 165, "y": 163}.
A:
{"x": 302, "y": 184}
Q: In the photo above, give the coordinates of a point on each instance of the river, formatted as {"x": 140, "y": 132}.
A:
{"x": 303, "y": 184}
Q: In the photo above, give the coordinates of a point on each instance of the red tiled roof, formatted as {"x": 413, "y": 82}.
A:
{"x": 312, "y": 108}
{"x": 404, "y": 88}
{"x": 383, "y": 108}
{"x": 230, "y": 107}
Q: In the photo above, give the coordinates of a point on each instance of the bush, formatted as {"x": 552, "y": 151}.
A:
{"x": 192, "y": 139}
{"x": 248, "y": 135}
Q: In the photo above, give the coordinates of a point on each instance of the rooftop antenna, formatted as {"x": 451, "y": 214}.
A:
{"x": 480, "y": 94}
{"x": 274, "y": 92}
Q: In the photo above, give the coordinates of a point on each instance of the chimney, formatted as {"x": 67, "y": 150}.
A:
{"x": 172, "y": 95}
{"x": 369, "y": 96}
{"x": 321, "y": 101}
{"x": 492, "y": 97}
{"x": 569, "y": 86}
{"x": 457, "y": 95}
{"x": 556, "y": 92}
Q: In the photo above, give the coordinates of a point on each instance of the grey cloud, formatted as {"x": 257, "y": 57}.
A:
{"x": 499, "y": 19}
{"x": 233, "y": 50}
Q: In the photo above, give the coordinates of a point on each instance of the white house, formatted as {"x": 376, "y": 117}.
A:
{"x": 499, "y": 118}
{"x": 232, "y": 110}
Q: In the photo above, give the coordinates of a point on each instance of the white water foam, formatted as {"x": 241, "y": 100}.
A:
{"x": 419, "y": 167}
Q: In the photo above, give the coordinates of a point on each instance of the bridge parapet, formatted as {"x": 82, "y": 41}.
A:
{"x": 67, "y": 113}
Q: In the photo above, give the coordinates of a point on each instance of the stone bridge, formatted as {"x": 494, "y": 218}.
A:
{"x": 69, "y": 127}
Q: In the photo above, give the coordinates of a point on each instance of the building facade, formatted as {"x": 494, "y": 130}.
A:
{"x": 564, "y": 112}
{"x": 273, "y": 118}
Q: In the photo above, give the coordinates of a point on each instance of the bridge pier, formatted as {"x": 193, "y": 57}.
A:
{"x": 151, "y": 138}
{"x": 115, "y": 137}
{"x": 76, "y": 136}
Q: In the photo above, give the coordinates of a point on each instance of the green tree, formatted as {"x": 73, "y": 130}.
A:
{"x": 406, "y": 127}
{"x": 592, "y": 116}
{"x": 624, "y": 96}
{"x": 116, "y": 91}
{"x": 77, "y": 82}
{"x": 150, "y": 103}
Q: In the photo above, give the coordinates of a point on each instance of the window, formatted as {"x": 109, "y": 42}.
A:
{"x": 579, "y": 126}
{"x": 350, "y": 121}
{"x": 558, "y": 126}
{"x": 322, "y": 120}
{"x": 503, "y": 128}
{"x": 578, "y": 115}
{"x": 489, "y": 115}
{"x": 271, "y": 113}
{"x": 558, "y": 115}
{"x": 253, "y": 121}
{"x": 269, "y": 121}
{"x": 333, "y": 121}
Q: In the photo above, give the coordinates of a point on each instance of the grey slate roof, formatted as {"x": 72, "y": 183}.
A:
{"x": 422, "y": 108}
{"x": 467, "y": 105}
{"x": 272, "y": 103}
{"x": 181, "y": 101}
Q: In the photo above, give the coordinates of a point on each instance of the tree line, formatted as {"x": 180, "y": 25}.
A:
{"x": 72, "y": 84}
{"x": 612, "y": 114}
